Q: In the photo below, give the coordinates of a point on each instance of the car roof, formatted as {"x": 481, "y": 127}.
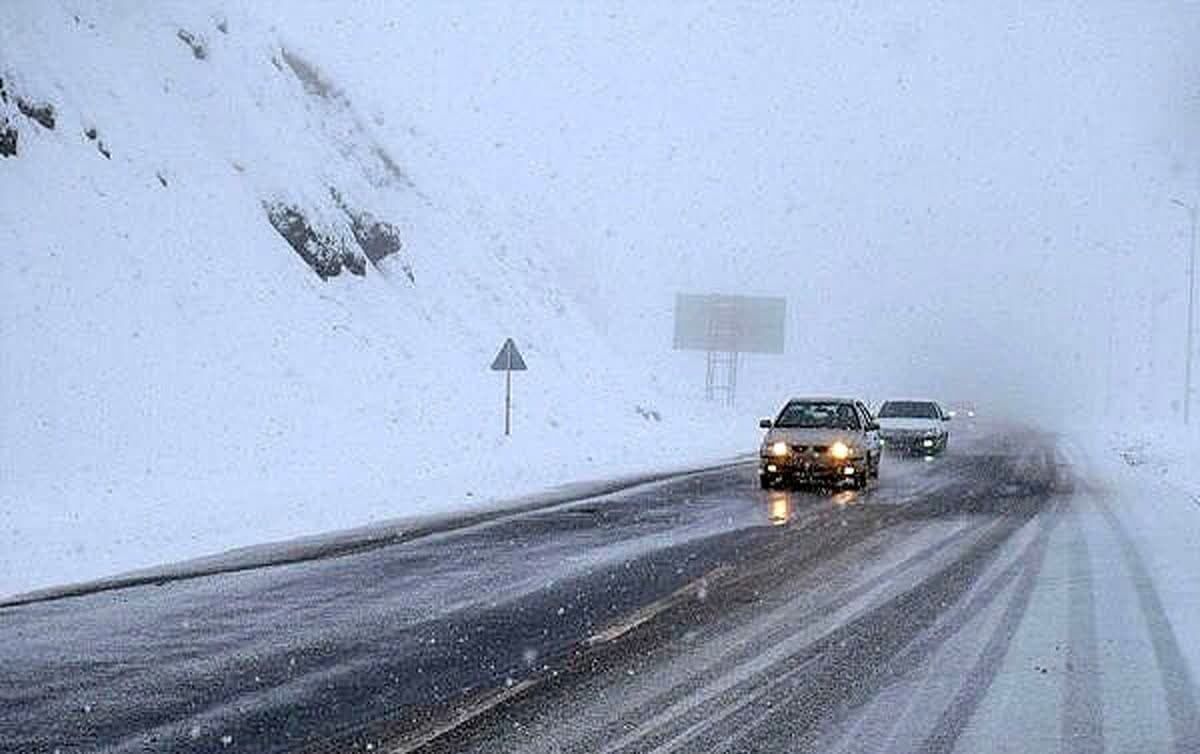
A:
{"x": 911, "y": 400}
{"x": 822, "y": 399}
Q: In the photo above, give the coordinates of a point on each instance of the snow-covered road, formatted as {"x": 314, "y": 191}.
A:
{"x": 1020, "y": 594}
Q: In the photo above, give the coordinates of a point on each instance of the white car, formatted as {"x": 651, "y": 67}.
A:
{"x": 916, "y": 427}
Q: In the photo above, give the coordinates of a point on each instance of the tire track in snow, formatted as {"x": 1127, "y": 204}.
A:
{"x": 957, "y": 715}
{"x": 1183, "y": 712}
{"x": 829, "y": 675}
{"x": 1083, "y": 707}
{"x": 696, "y": 704}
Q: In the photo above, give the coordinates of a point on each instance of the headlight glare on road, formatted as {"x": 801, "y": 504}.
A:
{"x": 839, "y": 450}
{"x": 779, "y": 449}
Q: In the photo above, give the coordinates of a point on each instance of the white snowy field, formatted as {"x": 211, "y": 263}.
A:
{"x": 177, "y": 380}
{"x": 1170, "y": 452}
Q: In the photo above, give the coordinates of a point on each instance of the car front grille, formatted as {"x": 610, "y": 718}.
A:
{"x": 815, "y": 449}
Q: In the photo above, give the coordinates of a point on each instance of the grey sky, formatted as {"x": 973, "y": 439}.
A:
{"x": 969, "y": 171}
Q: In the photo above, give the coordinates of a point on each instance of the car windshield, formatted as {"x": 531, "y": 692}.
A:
{"x": 909, "y": 410}
{"x": 817, "y": 415}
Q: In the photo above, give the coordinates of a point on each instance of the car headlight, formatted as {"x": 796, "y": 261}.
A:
{"x": 839, "y": 450}
{"x": 778, "y": 449}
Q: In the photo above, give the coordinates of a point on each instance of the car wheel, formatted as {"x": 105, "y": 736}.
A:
{"x": 875, "y": 467}
{"x": 766, "y": 482}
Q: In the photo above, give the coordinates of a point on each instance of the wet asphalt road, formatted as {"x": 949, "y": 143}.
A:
{"x": 697, "y": 614}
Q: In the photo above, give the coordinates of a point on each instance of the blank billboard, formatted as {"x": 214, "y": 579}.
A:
{"x": 745, "y": 324}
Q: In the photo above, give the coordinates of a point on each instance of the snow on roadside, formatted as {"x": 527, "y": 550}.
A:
{"x": 177, "y": 379}
{"x": 1171, "y": 452}
{"x": 1151, "y": 481}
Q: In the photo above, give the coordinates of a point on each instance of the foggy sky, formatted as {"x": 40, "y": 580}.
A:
{"x": 958, "y": 199}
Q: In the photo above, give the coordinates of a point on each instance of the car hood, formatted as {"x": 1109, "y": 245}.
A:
{"x": 797, "y": 436}
{"x": 910, "y": 425}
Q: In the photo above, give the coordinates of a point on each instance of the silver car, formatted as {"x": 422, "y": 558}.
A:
{"x": 829, "y": 441}
{"x": 913, "y": 427}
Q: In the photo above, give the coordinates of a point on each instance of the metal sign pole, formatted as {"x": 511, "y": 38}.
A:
{"x": 507, "y": 402}
{"x": 725, "y": 327}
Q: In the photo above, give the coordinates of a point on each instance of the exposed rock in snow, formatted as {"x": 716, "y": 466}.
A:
{"x": 42, "y": 112}
{"x": 377, "y": 238}
{"x": 314, "y": 83}
{"x": 326, "y": 253}
{"x": 8, "y": 139}
{"x": 199, "y": 49}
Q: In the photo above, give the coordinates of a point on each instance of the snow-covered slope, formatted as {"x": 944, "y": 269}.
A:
{"x": 177, "y": 378}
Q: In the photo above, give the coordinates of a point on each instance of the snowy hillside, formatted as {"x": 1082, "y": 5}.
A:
{"x": 237, "y": 306}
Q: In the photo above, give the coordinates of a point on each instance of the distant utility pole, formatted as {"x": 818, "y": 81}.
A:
{"x": 1191, "y": 309}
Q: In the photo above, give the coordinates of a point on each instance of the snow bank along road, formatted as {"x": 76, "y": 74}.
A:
{"x": 991, "y": 600}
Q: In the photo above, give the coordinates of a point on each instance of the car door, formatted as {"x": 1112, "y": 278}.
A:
{"x": 872, "y": 435}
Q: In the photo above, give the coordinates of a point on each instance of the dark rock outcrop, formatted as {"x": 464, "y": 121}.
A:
{"x": 42, "y": 112}
{"x": 378, "y": 239}
{"x": 199, "y": 50}
{"x": 325, "y": 253}
{"x": 310, "y": 77}
{"x": 8, "y": 139}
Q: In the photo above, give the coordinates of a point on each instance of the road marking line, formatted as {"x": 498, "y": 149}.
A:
{"x": 465, "y": 716}
{"x": 693, "y": 589}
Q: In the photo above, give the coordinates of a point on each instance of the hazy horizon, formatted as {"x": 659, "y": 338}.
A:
{"x": 954, "y": 200}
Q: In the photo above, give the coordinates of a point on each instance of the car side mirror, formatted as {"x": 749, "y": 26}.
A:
{"x": 947, "y": 418}
{"x": 873, "y": 427}
{"x": 764, "y": 423}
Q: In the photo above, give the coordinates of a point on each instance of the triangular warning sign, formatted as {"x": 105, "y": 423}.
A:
{"x": 509, "y": 359}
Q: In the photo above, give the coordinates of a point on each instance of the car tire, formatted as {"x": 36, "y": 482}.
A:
{"x": 766, "y": 482}
{"x": 874, "y": 472}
